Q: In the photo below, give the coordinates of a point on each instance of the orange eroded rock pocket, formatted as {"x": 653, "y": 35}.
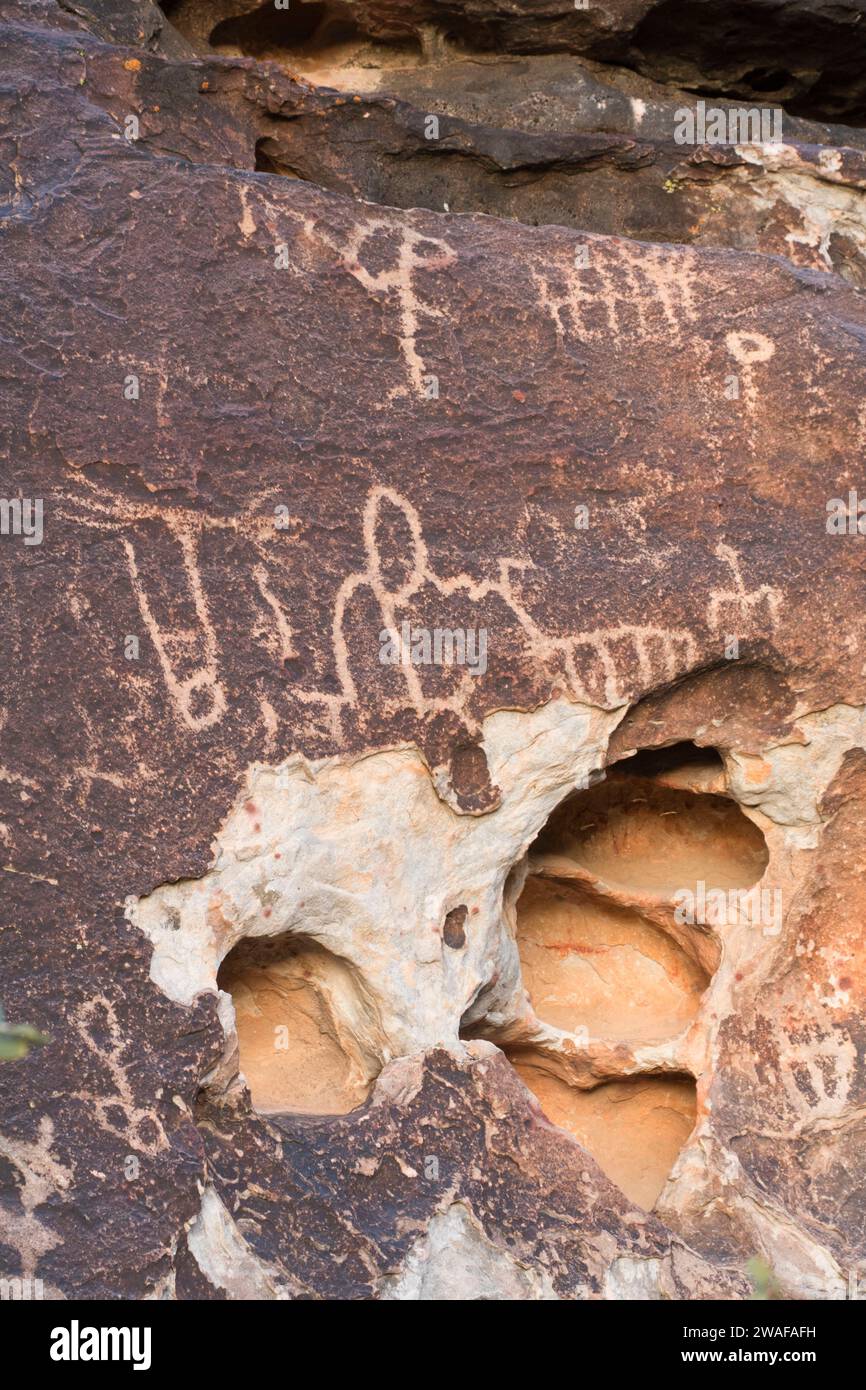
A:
{"x": 306, "y": 1030}
{"x": 608, "y": 961}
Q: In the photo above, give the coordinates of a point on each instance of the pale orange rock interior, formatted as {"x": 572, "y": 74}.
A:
{"x": 603, "y": 957}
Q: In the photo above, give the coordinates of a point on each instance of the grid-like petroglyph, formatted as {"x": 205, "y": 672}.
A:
{"x": 603, "y": 288}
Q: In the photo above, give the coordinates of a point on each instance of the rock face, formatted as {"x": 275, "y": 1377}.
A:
{"x": 536, "y": 138}
{"x": 433, "y": 716}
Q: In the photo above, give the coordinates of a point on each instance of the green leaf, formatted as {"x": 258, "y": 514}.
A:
{"x": 16, "y": 1040}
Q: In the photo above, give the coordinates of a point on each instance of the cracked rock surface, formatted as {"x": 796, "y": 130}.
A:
{"x": 433, "y": 714}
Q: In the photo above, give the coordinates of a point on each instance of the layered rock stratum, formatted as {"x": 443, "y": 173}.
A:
{"x": 433, "y": 713}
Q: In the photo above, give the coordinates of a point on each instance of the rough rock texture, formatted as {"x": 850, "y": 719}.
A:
{"x": 300, "y": 922}
{"x": 806, "y": 53}
{"x": 540, "y": 139}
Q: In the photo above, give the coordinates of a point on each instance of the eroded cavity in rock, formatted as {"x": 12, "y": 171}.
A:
{"x": 594, "y": 964}
{"x": 609, "y": 957}
{"x": 643, "y": 836}
{"x": 634, "y": 1128}
{"x": 304, "y": 1027}
{"x": 322, "y": 42}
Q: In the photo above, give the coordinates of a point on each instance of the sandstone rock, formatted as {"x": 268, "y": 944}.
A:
{"x": 531, "y": 972}
{"x": 130, "y": 22}
{"x": 804, "y": 53}
{"x": 541, "y": 139}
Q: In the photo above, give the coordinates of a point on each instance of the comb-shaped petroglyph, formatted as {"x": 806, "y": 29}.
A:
{"x": 617, "y": 289}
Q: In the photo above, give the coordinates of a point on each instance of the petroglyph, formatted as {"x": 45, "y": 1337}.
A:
{"x": 285, "y": 645}
{"x": 604, "y": 288}
{"x": 270, "y": 883}
{"x": 116, "y": 1110}
{"x": 748, "y": 351}
{"x": 735, "y": 610}
{"x": 400, "y": 281}
{"x": 199, "y": 698}
{"x": 247, "y": 223}
{"x": 818, "y": 1081}
{"x": 590, "y": 663}
{"x": 43, "y": 1176}
{"x": 658, "y": 654}
{"x": 408, "y": 252}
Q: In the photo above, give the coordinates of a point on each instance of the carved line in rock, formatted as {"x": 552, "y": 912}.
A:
{"x": 590, "y": 660}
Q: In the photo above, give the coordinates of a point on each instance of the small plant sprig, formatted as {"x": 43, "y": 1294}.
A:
{"x": 16, "y": 1039}
{"x": 764, "y": 1282}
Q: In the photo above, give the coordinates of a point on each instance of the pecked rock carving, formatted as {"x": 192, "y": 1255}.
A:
{"x": 433, "y": 713}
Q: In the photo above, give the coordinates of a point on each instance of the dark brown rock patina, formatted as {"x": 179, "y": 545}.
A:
{"x": 268, "y": 420}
